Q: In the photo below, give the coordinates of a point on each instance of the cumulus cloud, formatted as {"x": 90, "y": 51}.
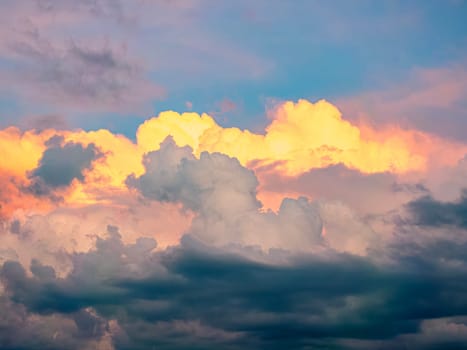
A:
{"x": 223, "y": 195}
{"x": 51, "y": 237}
{"x": 303, "y": 136}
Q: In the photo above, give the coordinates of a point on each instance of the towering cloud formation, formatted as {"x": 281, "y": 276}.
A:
{"x": 223, "y": 194}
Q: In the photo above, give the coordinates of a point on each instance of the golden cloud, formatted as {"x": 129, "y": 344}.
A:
{"x": 301, "y": 136}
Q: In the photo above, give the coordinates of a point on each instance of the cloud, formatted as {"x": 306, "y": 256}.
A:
{"x": 209, "y": 297}
{"x": 300, "y": 139}
{"x": 79, "y": 75}
{"x": 427, "y": 95}
{"x": 23, "y": 150}
{"x": 51, "y": 235}
{"x": 346, "y": 231}
{"x": 223, "y": 195}
{"x": 60, "y": 165}
{"x": 427, "y": 211}
{"x": 444, "y": 333}
{"x": 433, "y": 334}
{"x": 49, "y": 61}
{"x": 44, "y": 122}
{"x": 174, "y": 174}
{"x": 99, "y": 8}
{"x": 227, "y": 105}
{"x": 302, "y": 136}
{"x": 24, "y": 330}
{"x": 368, "y": 194}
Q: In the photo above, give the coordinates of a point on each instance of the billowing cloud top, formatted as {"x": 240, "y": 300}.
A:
{"x": 317, "y": 232}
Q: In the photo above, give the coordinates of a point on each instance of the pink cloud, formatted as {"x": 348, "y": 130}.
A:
{"x": 430, "y": 99}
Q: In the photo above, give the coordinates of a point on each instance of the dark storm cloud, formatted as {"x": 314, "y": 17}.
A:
{"x": 60, "y": 165}
{"x": 427, "y": 211}
{"x": 22, "y": 330}
{"x": 203, "y": 297}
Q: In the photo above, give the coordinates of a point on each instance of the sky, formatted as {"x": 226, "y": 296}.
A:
{"x": 233, "y": 175}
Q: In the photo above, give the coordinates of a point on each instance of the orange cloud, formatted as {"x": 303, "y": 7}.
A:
{"x": 301, "y": 136}
{"x": 19, "y": 153}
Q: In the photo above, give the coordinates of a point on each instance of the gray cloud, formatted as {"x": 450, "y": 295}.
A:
{"x": 23, "y": 330}
{"x": 427, "y": 211}
{"x": 50, "y": 63}
{"x": 60, "y": 165}
{"x": 81, "y": 75}
{"x": 98, "y": 8}
{"x": 365, "y": 193}
{"x": 204, "y": 297}
{"x": 39, "y": 123}
{"x": 215, "y": 182}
